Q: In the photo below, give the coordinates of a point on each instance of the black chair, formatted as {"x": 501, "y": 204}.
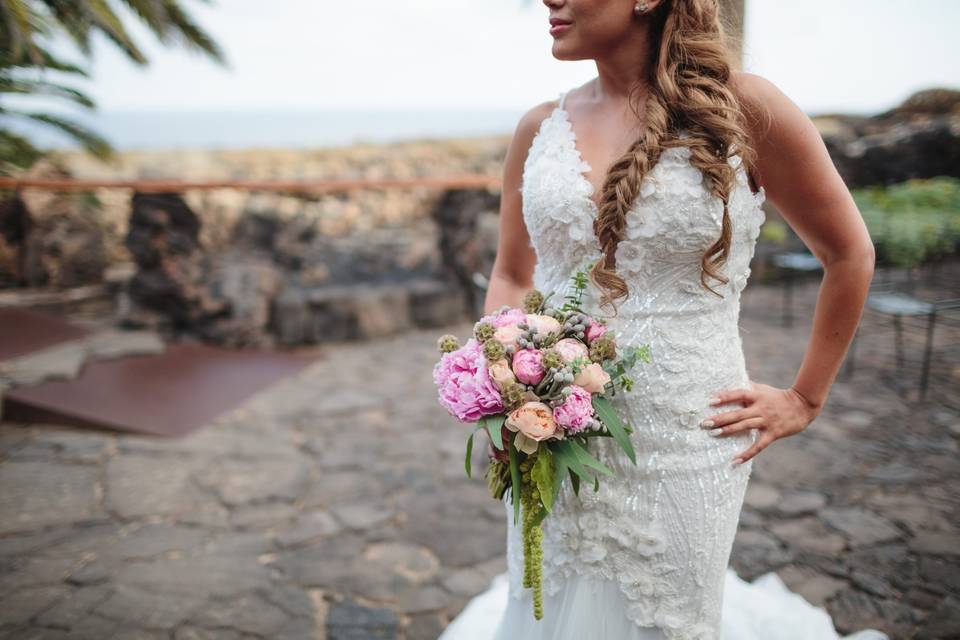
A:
{"x": 790, "y": 264}
{"x": 887, "y": 299}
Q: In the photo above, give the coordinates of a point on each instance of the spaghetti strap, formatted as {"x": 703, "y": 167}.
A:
{"x": 563, "y": 95}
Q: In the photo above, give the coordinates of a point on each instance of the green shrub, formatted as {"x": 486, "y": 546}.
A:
{"x": 913, "y": 221}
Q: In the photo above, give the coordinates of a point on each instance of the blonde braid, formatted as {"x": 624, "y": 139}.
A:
{"x": 688, "y": 90}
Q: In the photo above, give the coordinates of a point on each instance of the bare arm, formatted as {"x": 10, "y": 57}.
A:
{"x": 802, "y": 182}
{"x": 512, "y": 273}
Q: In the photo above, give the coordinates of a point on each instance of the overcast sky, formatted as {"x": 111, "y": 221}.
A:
{"x": 846, "y": 55}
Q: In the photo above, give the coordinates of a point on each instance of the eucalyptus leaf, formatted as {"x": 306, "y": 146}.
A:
{"x": 542, "y": 474}
{"x": 467, "y": 461}
{"x": 589, "y": 460}
{"x": 514, "y": 480}
{"x": 612, "y": 421}
{"x": 575, "y": 482}
{"x": 565, "y": 451}
{"x": 493, "y": 425}
{"x": 559, "y": 475}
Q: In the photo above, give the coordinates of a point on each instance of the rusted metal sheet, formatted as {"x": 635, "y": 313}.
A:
{"x": 169, "y": 394}
{"x": 23, "y": 331}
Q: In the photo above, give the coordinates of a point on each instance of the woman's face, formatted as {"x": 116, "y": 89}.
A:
{"x": 585, "y": 29}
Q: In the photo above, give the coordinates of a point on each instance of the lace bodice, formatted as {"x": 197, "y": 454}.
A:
{"x": 663, "y": 528}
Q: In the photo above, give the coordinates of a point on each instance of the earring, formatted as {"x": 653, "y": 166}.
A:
{"x": 640, "y": 8}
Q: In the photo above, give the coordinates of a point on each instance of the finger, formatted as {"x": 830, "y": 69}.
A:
{"x": 737, "y": 427}
{"x": 726, "y": 417}
{"x": 729, "y": 396}
{"x": 762, "y": 443}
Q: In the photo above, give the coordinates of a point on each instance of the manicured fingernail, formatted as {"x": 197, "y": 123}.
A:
{"x": 738, "y": 461}
{"x": 706, "y": 423}
{"x": 716, "y": 432}
{"x": 714, "y": 400}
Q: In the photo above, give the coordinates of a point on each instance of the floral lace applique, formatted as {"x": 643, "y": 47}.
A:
{"x": 662, "y": 529}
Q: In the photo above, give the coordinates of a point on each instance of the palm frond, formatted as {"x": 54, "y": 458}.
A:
{"x": 152, "y": 12}
{"x": 102, "y": 15}
{"x": 43, "y": 87}
{"x": 18, "y": 22}
{"x": 90, "y": 140}
{"x": 74, "y": 22}
{"x": 46, "y": 61}
{"x": 191, "y": 33}
{"x": 16, "y": 153}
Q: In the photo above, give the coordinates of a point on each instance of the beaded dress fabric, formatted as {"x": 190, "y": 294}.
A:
{"x": 646, "y": 557}
{"x": 660, "y": 531}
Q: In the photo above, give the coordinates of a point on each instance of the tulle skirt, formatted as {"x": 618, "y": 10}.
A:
{"x": 588, "y": 608}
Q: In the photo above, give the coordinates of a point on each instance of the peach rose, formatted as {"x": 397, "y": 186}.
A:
{"x": 533, "y": 422}
{"x": 542, "y": 324}
{"x": 507, "y": 335}
{"x": 501, "y": 374}
{"x": 592, "y": 378}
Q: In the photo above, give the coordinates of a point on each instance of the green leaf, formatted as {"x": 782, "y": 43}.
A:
{"x": 467, "y": 460}
{"x": 596, "y": 483}
{"x": 493, "y": 425}
{"x": 609, "y": 417}
{"x": 589, "y": 460}
{"x": 542, "y": 474}
{"x": 575, "y": 481}
{"x": 565, "y": 452}
{"x": 514, "y": 480}
{"x": 559, "y": 475}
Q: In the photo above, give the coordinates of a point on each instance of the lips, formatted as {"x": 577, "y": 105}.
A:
{"x": 557, "y": 21}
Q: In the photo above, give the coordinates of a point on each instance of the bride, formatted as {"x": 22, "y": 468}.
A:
{"x": 655, "y": 173}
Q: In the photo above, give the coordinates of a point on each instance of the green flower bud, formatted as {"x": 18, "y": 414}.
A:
{"x": 551, "y": 359}
{"x": 483, "y": 331}
{"x": 603, "y": 348}
{"x": 532, "y": 301}
{"x": 493, "y": 350}
{"x": 512, "y": 395}
{"x": 447, "y": 343}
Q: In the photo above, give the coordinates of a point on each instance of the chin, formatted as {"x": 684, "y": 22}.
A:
{"x": 561, "y": 52}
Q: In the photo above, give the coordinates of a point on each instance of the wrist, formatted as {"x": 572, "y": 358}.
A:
{"x": 811, "y": 404}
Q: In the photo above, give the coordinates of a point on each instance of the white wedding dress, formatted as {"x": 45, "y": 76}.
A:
{"x": 646, "y": 557}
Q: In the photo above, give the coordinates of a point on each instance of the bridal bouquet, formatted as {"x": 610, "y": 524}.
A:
{"x": 538, "y": 380}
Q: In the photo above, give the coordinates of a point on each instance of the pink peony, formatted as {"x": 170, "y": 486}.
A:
{"x": 570, "y": 349}
{"x": 503, "y": 318}
{"x": 528, "y": 366}
{"x": 575, "y": 412}
{"x": 594, "y": 331}
{"x": 465, "y": 387}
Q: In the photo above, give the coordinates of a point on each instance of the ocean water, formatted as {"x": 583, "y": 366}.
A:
{"x": 128, "y": 130}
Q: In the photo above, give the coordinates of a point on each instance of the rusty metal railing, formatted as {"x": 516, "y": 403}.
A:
{"x": 467, "y": 181}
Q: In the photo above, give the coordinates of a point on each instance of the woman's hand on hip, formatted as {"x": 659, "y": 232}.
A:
{"x": 776, "y": 413}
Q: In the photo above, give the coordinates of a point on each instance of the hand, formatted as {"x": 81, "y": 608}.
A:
{"x": 777, "y": 413}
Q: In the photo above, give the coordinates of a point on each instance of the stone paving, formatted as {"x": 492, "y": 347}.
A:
{"x": 320, "y": 510}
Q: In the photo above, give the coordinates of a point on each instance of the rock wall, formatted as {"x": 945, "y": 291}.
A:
{"x": 263, "y": 269}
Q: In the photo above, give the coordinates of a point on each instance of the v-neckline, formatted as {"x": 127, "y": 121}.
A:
{"x": 581, "y": 174}
{"x": 758, "y": 196}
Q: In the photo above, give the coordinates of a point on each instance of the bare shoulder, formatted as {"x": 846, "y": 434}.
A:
{"x": 770, "y": 112}
{"x": 530, "y": 123}
{"x": 800, "y": 177}
{"x": 519, "y": 147}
